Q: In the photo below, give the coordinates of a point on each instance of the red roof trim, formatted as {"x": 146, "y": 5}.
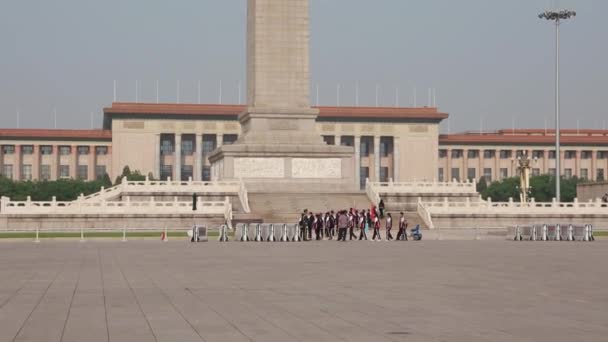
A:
{"x": 57, "y": 134}
{"x": 489, "y": 139}
{"x": 233, "y": 110}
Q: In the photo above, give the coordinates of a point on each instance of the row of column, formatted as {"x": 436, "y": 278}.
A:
{"x": 177, "y": 164}
{"x": 377, "y": 157}
{"x": 544, "y": 162}
{"x": 55, "y": 161}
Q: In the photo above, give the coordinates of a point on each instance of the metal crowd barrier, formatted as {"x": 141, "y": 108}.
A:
{"x": 270, "y": 232}
{"x": 555, "y": 232}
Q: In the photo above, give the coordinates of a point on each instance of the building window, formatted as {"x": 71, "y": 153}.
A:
{"x": 456, "y": 154}
{"x": 26, "y": 172}
{"x": 27, "y": 149}
{"x": 45, "y": 172}
{"x": 186, "y": 172}
{"x": 363, "y": 176}
{"x": 456, "y": 174}
{"x": 443, "y": 153}
{"x": 82, "y": 150}
{"x": 365, "y": 146}
{"x": 551, "y": 154}
{"x": 347, "y": 140}
{"x": 489, "y": 154}
{"x": 487, "y": 174}
{"x": 585, "y": 174}
{"x": 519, "y": 153}
{"x": 385, "y": 146}
{"x": 187, "y": 147}
{"x": 440, "y": 174}
{"x": 206, "y": 173}
{"x": 538, "y": 154}
{"x": 569, "y": 154}
{"x": 568, "y": 173}
{"x": 101, "y": 150}
{"x": 536, "y": 172}
{"x": 602, "y": 154}
{"x": 209, "y": 143}
{"x": 229, "y": 139}
{"x": 46, "y": 150}
{"x": 65, "y": 150}
{"x": 552, "y": 171}
{"x": 100, "y": 171}
{"x": 473, "y": 154}
{"x": 384, "y": 174}
{"x": 166, "y": 144}
{"x": 7, "y": 171}
{"x": 586, "y": 154}
{"x": 505, "y": 154}
{"x": 82, "y": 172}
{"x": 166, "y": 172}
{"x": 64, "y": 171}
{"x": 600, "y": 175}
{"x": 329, "y": 139}
{"x": 471, "y": 174}
{"x": 504, "y": 173}
{"x": 8, "y": 149}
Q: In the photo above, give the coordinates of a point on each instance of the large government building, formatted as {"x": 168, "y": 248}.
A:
{"x": 400, "y": 144}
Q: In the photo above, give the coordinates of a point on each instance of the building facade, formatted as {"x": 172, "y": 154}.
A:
{"x": 494, "y": 156}
{"x": 399, "y": 144}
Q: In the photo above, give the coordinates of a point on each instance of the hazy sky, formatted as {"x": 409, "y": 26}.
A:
{"x": 488, "y": 59}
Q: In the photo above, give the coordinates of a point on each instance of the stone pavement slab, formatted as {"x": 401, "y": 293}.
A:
{"x": 316, "y": 291}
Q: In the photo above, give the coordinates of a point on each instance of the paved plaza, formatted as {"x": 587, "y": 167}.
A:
{"x": 369, "y": 291}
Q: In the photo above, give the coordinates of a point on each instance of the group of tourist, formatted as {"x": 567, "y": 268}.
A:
{"x": 349, "y": 222}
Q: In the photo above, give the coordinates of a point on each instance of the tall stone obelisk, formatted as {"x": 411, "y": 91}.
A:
{"x": 280, "y": 145}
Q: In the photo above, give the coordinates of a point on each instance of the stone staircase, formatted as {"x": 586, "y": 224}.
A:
{"x": 287, "y": 207}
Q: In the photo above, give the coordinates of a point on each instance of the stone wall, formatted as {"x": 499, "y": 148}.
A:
{"x": 105, "y": 222}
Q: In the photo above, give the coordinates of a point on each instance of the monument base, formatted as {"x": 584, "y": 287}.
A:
{"x": 286, "y": 168}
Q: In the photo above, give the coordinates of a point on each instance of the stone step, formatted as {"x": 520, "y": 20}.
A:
{"x": 286, "y": 208}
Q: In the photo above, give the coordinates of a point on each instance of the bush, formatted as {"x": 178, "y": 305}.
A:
{"x": 62, "y": 189}
{"x": 131, "y": 176}
{"x": 543, "y": 189}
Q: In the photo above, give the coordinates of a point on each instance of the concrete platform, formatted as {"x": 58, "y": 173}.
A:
{"x": 327, "y": 291}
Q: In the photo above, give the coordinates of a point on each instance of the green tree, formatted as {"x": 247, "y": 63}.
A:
{"x": 131, "y": 175}
{"x": 542, "y": 189}
{"x": 482, "y": 185}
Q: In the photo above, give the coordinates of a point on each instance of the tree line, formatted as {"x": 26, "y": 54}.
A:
{"x": 62, "y": 189}
{"x": 542, "y": 188}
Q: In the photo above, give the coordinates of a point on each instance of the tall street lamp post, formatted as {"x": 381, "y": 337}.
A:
{"x": 558, "y": 17}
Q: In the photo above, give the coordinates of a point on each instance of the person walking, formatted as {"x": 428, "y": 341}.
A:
{"x": 363, "y": 226}
{"x": 304, "y": 226}
{"x": 402, "y": 235}
{"x": 381, "y": 207}
{"x": 389, "y": 226}
{"x": 376, "y": 229}
{"x": 354, "y": 222}
{"x": 310, "y": 225}
{"x": 342, "y": 226}
{"x": 318, "y": 227}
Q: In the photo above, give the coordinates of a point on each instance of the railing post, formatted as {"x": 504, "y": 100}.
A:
{"x": 147, "y": 181}
{"x": 554, "y": 202}
{"x": 576, "y": 204}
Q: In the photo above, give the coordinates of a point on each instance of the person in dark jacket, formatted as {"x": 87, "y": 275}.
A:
{"x": 402, "y": 235}
{"x": 381, "y": 208}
